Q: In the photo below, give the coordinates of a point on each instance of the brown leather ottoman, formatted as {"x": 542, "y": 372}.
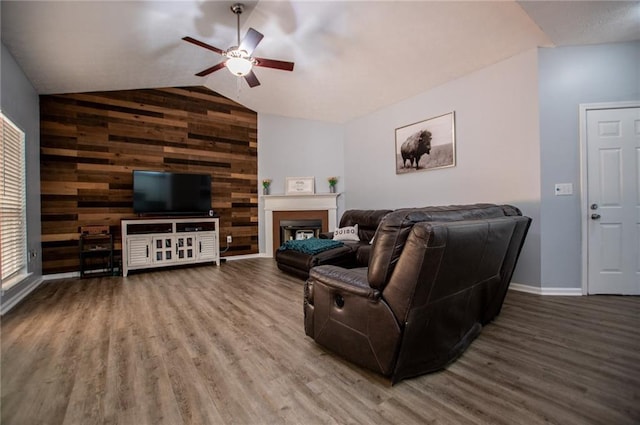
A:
{"x": 299, "y": 263}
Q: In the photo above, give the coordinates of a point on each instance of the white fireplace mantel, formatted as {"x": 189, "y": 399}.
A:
{"x": 321, "y": 201}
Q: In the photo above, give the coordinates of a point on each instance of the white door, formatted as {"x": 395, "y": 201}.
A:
{"x": 613, "y": 156}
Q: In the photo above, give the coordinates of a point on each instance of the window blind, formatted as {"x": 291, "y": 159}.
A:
{"x": 13, "y": 201}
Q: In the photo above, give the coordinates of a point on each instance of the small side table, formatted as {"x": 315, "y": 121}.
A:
{"x": 96, "y": 253}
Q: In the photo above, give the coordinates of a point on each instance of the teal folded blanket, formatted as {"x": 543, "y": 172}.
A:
{"x": 310, "y": 246}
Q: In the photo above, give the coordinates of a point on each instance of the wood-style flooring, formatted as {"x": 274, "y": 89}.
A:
{"x": 226, "y": 345}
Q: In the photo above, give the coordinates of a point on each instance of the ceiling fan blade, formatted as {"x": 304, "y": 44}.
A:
{"x": 251, "y": 79}
{"x": 250, "y": 41}
{"x": 210, "y": 70}
{"x": 272, "y": 63}
{"x": 201, "y": 44}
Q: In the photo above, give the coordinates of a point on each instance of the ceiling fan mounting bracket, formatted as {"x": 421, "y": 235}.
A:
{"x": 237, "y": 8}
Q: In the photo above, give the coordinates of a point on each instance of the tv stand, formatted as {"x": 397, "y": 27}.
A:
{"x": 161, "y": 242}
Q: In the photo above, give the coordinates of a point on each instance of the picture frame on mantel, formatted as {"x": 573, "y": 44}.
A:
{"x": 300, "y": 186}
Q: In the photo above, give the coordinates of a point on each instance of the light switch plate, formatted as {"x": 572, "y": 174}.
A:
{"x": 563, "y": 189}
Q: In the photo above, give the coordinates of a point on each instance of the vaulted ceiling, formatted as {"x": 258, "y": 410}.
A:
{"x": 351, "y": 57}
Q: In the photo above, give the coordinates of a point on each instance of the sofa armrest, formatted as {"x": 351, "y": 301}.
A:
{"x": 352, "y": 281}
{"x": 345, "y": 315}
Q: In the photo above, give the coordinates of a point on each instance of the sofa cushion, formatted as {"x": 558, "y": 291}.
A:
{"x": 367, "y": 221}
{"x": 396, "y": 226}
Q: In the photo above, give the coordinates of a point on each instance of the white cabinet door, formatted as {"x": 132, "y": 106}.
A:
{"x": 208, "y": 246}
{"x": 186, "y": 247}
{"x": 138, "y": 251}
{"x": 163, "y": 249}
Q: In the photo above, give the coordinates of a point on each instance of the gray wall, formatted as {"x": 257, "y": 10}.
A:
{"x": 517, "y": 136}
{"x": 19, "y": 101}
{"x": 569, "y": 76}
{"x": 497, "y": 150}
{"x": 290, "y": 147}
{"x": 498, "y": 156}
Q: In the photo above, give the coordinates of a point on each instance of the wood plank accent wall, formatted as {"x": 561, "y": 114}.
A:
{"x": 91, "y": 143}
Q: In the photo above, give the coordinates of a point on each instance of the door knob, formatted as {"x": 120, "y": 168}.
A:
{"x": 595, "y": 216}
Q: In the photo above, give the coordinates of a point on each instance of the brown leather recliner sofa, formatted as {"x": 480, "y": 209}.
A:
{"x": 435, "y": 276}
{"x": 351, "y": 254}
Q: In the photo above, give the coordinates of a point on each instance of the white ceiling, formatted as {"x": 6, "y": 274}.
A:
{"x": 351, "y": 57}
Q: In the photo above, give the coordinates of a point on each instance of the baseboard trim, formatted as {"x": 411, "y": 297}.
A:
{"x": 514, "y": 286}
{"x": 571, "y": 292}
{"x": 19, "y": 296}
{"x": 70, "y": 275}
{"x": 57, "y": 276}
{"x": 243, "y": 257}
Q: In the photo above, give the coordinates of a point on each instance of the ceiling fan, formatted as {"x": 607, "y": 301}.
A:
{"x": 238, "y": 58}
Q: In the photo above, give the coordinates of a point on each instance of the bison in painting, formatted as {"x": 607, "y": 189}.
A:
{"x": 414, "y": 147}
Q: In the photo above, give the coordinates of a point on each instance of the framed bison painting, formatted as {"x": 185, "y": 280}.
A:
{"x": 426, "y": 145}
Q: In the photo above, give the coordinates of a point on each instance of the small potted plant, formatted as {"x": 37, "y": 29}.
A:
{"x": 333, "y": 181}
{"x": 266, "y": 183}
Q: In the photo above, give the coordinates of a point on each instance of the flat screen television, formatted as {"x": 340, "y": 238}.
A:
{"x": 157, "y": 192}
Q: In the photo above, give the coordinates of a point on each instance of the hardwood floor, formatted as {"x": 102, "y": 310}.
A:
{"x": 226, "y": 345}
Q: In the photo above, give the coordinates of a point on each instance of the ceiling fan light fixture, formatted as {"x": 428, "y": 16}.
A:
{"x": 239, "y": 66}
{"x": 239, "y": 62}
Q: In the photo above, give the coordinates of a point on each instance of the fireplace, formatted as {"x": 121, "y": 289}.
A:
{"x": 309, "y": 209}
{"x": 288, "y": 225}
{"x": 299, "y": 229}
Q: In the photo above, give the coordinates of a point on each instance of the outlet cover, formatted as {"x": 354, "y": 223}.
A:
{"x": 564, "y": 189}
